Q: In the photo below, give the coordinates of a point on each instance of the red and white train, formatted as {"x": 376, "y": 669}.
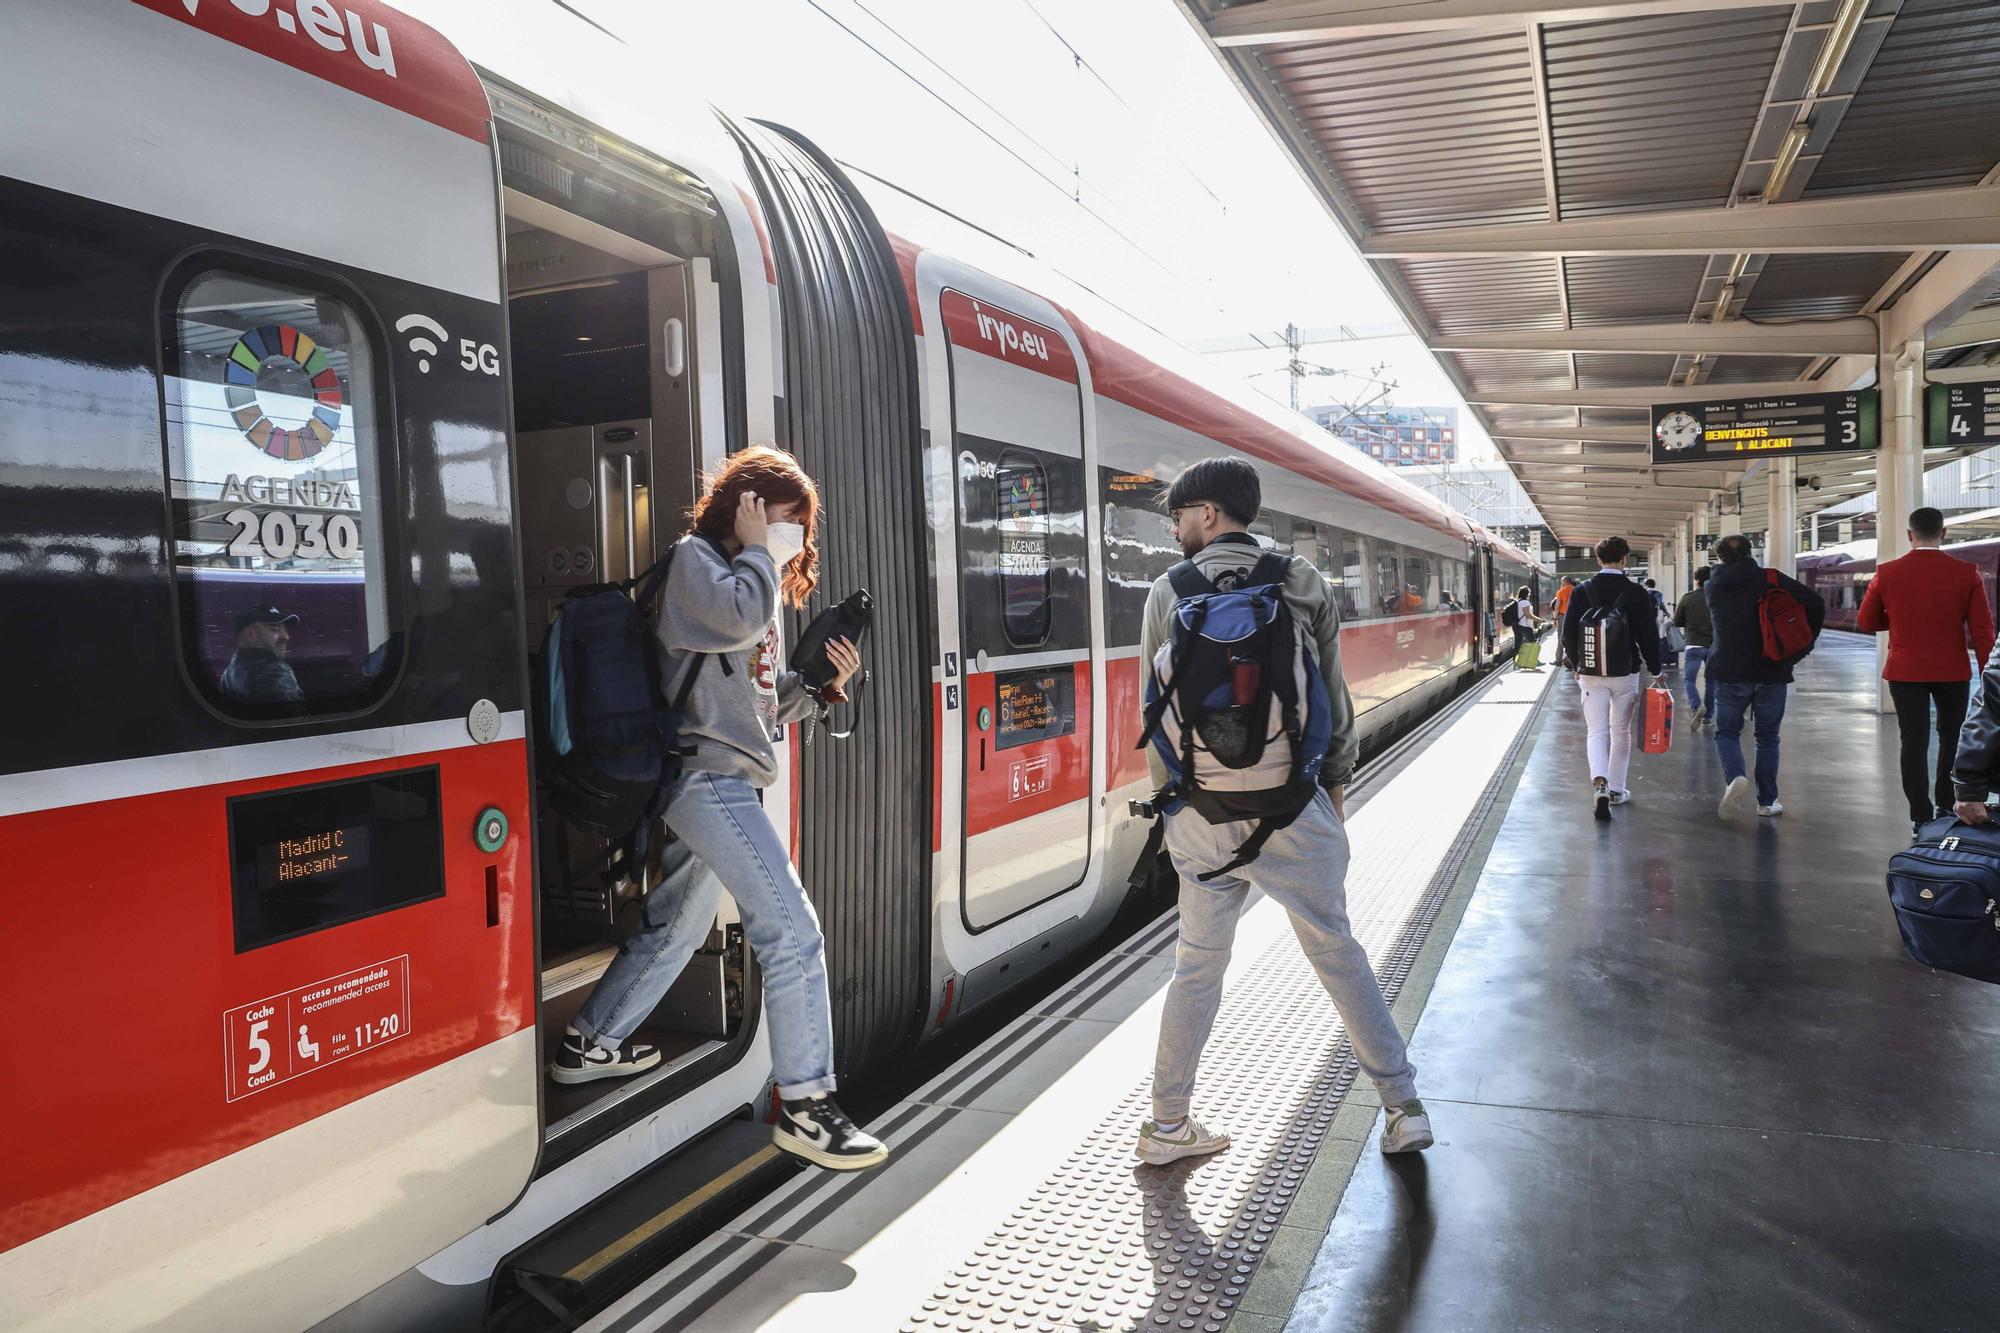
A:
{"x": 404, "y": 326}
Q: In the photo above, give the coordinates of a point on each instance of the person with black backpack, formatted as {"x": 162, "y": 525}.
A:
{"x": 1252, "y": 741}
{"x": 1765, "y": 622}
{"x": 752, "y": 541}
{"x": 1609, "y": 632}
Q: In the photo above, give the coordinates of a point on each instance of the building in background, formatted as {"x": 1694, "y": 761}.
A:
{"x": 1398, "y": 436}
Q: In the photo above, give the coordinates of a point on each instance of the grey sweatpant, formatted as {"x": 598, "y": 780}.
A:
{"x": 1303, "y": 869}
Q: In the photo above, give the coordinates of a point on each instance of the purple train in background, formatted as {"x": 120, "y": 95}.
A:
{"x": 1842, "y": 576}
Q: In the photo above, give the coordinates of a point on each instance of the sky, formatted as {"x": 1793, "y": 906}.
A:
{"x": 1101, "y": 135}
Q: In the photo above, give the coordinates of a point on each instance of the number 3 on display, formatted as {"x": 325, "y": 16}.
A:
{"x": 282, "y": 534}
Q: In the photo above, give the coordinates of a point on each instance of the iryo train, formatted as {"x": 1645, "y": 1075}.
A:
{"x": 358, "y": 337}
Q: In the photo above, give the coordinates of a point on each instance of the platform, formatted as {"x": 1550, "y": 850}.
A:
{"x": 1682, "y": 1076}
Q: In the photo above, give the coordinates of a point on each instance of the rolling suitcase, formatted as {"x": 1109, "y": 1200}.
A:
{"x": 1944, "y": 888}
{"x": 1529, "y": 656}
{"x": 1657, "y": 729}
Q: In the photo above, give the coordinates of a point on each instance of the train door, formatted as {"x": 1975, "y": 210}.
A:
{"x": 610, "y": 254}
{"x": 264, "y": 796}
{"x": 1017, "y": 435}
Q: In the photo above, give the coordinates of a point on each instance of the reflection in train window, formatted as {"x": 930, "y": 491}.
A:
{"x": 275, "y": 477}
{"x": 1388, "y": 579}
{"x": 1021, "y": 499}
{"x": 1347, "y": 583}
{"x": 1138, "y": 548}
{"x": 1417, "y": 591}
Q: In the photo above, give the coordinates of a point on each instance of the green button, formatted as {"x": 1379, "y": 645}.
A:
{"x": 490, "y": 829}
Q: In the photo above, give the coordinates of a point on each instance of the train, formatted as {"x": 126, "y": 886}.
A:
{"x": 1841, "y": 575}
{"x": 406, "y": 322}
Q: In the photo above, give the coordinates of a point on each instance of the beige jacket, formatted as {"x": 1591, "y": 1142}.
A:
{"x": 1317, "y": 614}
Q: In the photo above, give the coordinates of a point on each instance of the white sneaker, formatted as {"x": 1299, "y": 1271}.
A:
{"x": 1732, "y": 797}
{"x": 1772, "y": 809}
{"x": 1192, "y": 1139}
{"x": 1600, "y": 799}
{"x": 1620, "y": 797}
{"x": 1406, "y": 1128}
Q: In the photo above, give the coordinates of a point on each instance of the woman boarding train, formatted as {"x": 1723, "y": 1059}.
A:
{"x": 752, "y": 541}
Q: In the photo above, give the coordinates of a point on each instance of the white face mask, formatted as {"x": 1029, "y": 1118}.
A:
{"x": 787, "y": 541}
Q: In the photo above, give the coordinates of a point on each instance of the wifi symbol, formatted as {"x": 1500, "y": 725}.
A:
{"x": 422, "y": 346}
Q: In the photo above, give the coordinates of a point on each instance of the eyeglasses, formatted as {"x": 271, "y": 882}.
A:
{"x": 1174, "y": 514}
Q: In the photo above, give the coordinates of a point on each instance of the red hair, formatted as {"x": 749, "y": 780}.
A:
{"x": 777, "y": 479}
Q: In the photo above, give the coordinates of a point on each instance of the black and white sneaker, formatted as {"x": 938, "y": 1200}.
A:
{"x": 1600, "y": 798}
{"x": 582, "y": 1060}
{"x": 820, "y": 1132}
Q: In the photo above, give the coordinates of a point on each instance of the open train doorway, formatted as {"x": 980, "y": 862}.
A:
{"x": 615, "y": 263}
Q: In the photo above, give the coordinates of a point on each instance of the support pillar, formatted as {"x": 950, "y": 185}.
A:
{"x": 1685, "y": 536}
{"x": 1899, "y": 468}
{"x": 1781, "y": 524}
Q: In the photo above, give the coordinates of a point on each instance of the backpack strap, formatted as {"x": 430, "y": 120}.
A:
{"x": 1158, "y": 707}
{"x": 1254, "y": 844}
{"x": 1771, "y": 578}
{"x": 1188, "y": 581}
{"x": 1271, "y": 567}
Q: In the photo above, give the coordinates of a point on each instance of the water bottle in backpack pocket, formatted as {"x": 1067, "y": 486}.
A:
{"x": 1235, "y": 704}
{"x": 1945, "y": 889}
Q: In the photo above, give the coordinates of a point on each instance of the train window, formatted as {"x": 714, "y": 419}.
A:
{"x": 1349, "y": 578}
{"x": 1418, "y": 594}
{"x": 1388, "y": 578}
{"x": 276, "y": 471}
{"x": 1138, "y": 547}
{"x": 1021, "y": 497}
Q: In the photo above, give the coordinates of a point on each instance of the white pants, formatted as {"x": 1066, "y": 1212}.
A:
{"x": 1608, "y": 705}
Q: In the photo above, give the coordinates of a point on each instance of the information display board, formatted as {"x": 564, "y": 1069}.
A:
{"x": 1035, "y": 705}
{"x": 1962, "y": 414}
{"x": 307, "y": 858}
{"x": 1737, "y": 430}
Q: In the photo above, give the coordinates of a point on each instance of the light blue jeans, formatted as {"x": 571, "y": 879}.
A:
{"x": 1303, "y": 868}
{"x": 1767, "y": 703}
{"x": 724, "y": 838}
{"x": 1692, "y": 661}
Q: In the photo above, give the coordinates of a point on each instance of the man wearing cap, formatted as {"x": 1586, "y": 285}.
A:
{"x": 257, "y": 673}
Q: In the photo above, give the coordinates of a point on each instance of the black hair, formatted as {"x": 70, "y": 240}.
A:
{"x": 1732, "y": 548}
{"x": 1523, "y": 594}
{"x": 1651, "y": 584}
{"x": 1927, "y": 523}
{"x": 1230, "y": 484}
{"x": 1700, "y": 575}
{"x": 1613, "y": 549}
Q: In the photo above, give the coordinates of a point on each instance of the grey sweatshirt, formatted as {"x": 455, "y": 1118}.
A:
{"x": 728, "y": 608}
{"x": 1312, "y": 607}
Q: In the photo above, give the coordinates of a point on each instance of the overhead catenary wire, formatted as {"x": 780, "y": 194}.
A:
{"x": 1074, "y": 195}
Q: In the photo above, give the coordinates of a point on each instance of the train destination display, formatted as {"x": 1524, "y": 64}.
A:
{"x": 1962, "y": 414}
{"x": 1739, "y": 429}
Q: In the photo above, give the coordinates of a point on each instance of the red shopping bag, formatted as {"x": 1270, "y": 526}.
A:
{"x": 1659, "y": 720}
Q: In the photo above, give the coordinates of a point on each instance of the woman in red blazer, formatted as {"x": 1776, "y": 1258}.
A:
{"x": 1929, "y": 603}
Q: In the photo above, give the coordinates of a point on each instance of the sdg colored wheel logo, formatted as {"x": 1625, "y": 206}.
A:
{"x": 278, "y": 359}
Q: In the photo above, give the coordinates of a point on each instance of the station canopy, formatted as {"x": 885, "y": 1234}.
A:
{"x": 1585, "y": 209}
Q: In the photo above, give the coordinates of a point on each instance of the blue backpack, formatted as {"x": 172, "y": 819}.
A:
{"x": 611, "y": 742}
{"x": 1235, "y": 704}
{"x": 1945, "y": 889}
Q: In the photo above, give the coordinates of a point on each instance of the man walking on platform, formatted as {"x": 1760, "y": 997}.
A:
{"x": 1691, "y": 618}
{"x": 1748, "y": 678}
{"x": 1302, "y": 865}
{"x": 1930, "y": 604}
{"x": 1610, "y": 632}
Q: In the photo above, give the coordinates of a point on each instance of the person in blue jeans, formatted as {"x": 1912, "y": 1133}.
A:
{"x": 1746, "y": 682}
{"x": 752, "y": 541}
{"x": 1692, "y": 619}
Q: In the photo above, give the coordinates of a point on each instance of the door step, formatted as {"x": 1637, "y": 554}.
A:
{"x": 578, "y": 1266}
